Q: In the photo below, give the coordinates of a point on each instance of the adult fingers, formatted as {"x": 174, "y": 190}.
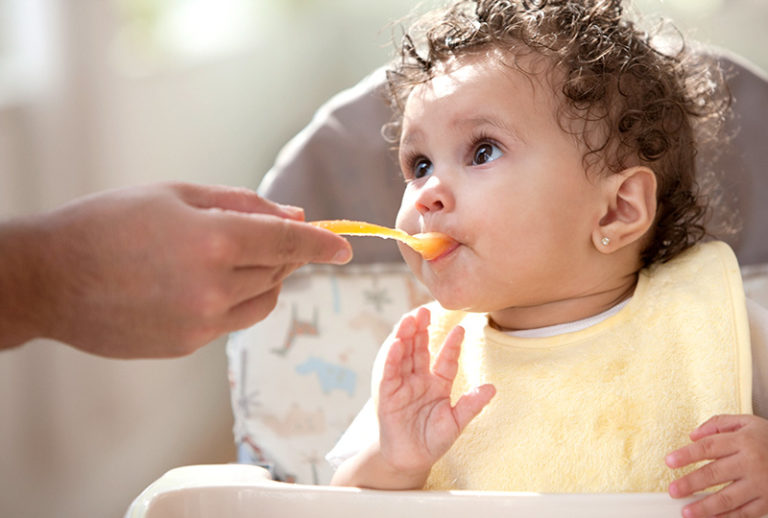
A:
{"x": 236, "y": 199}
{"x": 251, "y": 311}
{"x": 266, "y": 240}
{"x": 251, "y": 281}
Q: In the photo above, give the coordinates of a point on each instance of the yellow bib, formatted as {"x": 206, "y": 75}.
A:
{"x": 597, "y": 410}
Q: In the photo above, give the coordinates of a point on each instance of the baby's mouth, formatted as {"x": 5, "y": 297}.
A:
{"x": 432, "y": 245}
{"x": 447, "y": 250}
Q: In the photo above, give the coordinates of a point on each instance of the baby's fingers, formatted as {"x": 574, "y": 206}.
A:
{"x": 447, "y": 361}
{"x": 720, "y": 424}
{"x": 472, "y": 403}
{"x": 421, "y": 357}
{"x": 708, "y": 448}
{"x": 710, "y": 475}
{"x": 394, "y": 369}
{"x": 409, "y": 349}
{"x": 732, "y": 501}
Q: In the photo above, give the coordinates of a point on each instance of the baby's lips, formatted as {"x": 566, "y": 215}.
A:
{"x": 432, "y": 245}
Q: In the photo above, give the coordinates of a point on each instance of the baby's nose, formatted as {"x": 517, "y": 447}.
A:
{"x": 435, "y": 195}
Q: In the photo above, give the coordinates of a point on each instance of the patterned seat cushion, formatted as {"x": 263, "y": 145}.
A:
{"x": 299, "y": 377}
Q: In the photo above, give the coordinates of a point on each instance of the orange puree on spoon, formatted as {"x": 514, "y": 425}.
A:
{"x": 429, "y": 244}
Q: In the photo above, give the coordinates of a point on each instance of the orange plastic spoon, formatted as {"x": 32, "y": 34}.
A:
{"x": 429, "y": 244}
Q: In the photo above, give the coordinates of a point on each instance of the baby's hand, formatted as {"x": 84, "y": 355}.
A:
{"x": 737, "y": 445}
{"x": 416, "y": 420}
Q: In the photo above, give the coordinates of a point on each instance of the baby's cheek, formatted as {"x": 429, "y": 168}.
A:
{"x": 406, "y": 222}
{"x": 407, "y": 215}
{"x": 412, "y": 259}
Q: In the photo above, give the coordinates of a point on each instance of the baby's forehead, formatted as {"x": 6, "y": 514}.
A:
{"x": 524, "y": 74}
{"x": 482, "y": 90}
{"x": 542, "y": 71}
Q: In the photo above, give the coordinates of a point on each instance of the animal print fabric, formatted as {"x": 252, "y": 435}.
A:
{"x": 299, "y": 377}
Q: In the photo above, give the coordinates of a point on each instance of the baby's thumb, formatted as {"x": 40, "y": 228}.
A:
{"x": 472, "y": 403}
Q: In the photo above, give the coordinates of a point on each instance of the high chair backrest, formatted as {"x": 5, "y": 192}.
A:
{"x": 340, "y": 167}
{"x": 299, "y": 377}
{"x": 742, "y": 163}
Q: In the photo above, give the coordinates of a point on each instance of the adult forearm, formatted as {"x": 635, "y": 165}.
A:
{"x": 23, "y": 283}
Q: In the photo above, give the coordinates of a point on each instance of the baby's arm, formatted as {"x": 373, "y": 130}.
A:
{"x": 417, "y": 423}
{"x": 737, "y": 445}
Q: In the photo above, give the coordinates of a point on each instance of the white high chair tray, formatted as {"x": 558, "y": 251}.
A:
{"x": 240, "y": 491}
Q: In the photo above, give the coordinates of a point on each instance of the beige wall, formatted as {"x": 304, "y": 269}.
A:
{"x": 81, "y": 436}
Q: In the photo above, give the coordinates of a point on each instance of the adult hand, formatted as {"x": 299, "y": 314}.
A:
{"x": 152, "y": 271}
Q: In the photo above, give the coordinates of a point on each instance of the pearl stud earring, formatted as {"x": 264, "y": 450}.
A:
{"x": 605, "y": 241}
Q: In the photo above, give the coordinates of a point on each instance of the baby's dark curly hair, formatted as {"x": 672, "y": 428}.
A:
{"x": 654, "y": 105}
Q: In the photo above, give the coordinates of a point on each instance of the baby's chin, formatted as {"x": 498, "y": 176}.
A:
{"x": 455, "y": 303}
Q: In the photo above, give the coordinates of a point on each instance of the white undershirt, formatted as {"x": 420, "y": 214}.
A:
{"x": 569, "y": 327}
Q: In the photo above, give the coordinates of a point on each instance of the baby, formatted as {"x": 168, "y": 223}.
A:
{"x": 555, "y": 144}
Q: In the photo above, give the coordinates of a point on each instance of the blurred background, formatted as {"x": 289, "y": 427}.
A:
{"x": 96, "y": 94}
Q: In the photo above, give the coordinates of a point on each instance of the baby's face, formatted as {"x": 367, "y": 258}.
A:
{"x": 487, "y": 163}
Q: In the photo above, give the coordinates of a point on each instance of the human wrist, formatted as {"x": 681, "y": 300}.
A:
{"x": 403, "y": 475}
{"x": 22, "y": 281}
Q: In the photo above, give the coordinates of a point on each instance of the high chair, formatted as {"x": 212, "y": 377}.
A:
{"x": 299, "y": 377}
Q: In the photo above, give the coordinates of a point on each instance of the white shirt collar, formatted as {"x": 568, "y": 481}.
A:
{"x": 568, "y": 327}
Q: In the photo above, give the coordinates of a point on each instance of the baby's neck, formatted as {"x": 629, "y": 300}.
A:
{"x": 563, "y": 311}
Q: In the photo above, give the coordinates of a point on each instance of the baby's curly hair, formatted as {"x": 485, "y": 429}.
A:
{"x": 653, "y": 105}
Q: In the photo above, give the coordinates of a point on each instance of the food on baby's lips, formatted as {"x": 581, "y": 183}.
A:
{"x": 429, "y": 244}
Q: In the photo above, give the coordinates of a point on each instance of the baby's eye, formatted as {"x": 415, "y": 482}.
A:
{"x": 421, "y": 168}
{"x": 486, "y": 152}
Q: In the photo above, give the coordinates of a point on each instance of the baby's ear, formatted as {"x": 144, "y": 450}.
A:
{"x": 629, "y": 211}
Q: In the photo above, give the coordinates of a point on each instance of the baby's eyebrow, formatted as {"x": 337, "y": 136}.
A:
{"x": 410, "y": 137}
{"x": 462, "y": 124}
{"x": 477, "y": 122}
